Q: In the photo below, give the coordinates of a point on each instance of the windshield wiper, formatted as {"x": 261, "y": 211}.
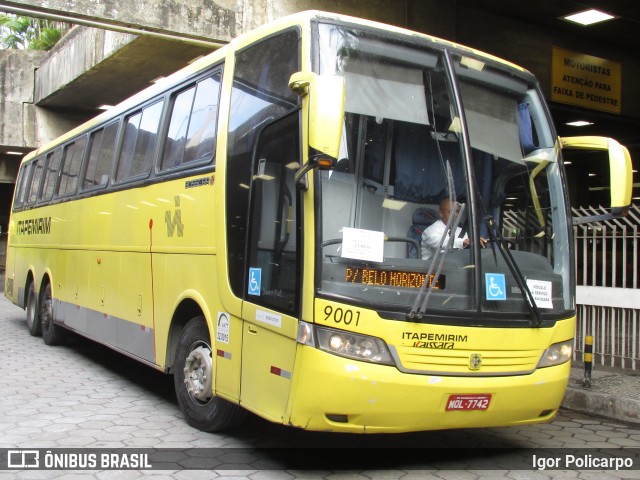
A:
{"x": 498, "y": 240}
{"x": 422, "y": 299}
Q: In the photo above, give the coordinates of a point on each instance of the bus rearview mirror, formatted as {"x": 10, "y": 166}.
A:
{"x": 324, "y": 116}
{"x": 620, "y": 169}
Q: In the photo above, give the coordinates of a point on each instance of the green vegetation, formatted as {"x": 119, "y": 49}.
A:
{"x": 30, "y": 33}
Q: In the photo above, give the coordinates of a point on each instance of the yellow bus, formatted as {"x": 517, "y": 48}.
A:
{"x": 256, "y": 226}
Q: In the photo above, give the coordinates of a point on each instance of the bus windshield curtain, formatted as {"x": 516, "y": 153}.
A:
{"x": 419, "y": 173}
{"x": 526, "y": 129}
{"x": 483, "y": 169}
{"x": 383, "y": 91}
{"x": 492, "y": 121}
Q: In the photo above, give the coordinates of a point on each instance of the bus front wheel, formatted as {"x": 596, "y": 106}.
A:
{"x": 33, "y": 318}
{"x": 193, "y": 381}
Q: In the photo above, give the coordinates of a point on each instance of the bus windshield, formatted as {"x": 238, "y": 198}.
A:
{"x": 448, "y": 188}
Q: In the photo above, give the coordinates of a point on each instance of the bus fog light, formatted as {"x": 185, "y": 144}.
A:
{"x": 353, "y": 345}
{"x": 556, "y": 354}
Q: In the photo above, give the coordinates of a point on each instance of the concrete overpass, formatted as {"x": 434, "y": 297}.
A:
{"x": 119, "y": 47}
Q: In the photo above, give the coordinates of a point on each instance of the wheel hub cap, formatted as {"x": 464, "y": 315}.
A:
{"x": 198, "y": 373}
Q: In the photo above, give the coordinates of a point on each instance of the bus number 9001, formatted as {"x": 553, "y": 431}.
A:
{"x": 340, "y": 315}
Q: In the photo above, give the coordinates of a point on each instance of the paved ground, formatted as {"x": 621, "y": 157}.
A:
{"x": 612, "y": 393}
{"x": 82, "y": 395}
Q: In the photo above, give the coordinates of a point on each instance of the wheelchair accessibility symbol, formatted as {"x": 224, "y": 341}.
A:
{"x": 495, "y": 286}
{"x": 255, "y": 279}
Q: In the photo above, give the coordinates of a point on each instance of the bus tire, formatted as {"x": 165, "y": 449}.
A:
{"x": 193, "y": 381}
{"x": 52, "y": 334}
{"x": 33, "y": 318}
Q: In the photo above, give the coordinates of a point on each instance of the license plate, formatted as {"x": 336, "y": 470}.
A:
{"x": 469, "y": 402}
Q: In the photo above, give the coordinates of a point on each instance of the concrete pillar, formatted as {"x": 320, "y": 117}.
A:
{"x": 17, "y": 72}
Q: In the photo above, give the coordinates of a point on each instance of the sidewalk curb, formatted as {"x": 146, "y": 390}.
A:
{"x": 585, "y": 400}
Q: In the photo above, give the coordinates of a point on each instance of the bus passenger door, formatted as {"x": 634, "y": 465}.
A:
{"x": 272, "y": 297}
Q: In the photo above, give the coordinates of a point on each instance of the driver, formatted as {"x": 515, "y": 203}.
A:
{"x": 433, "y": 234}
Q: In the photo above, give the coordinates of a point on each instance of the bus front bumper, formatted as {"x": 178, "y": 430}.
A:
{"x": 332, "y": 393}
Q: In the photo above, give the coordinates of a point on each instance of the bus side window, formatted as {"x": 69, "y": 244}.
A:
{"x": 51, "y": 174}
{"x": 22, "y": 184}
{"x": 101, "y": 148}
{"x": 192, "y": 129}
{"x": 259, "y": 94}
{"x": 35, "y": 182}
{"x": 138, "y": 147}
{"x": 71, "y": 167}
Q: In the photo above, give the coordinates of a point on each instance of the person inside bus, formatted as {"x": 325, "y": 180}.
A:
{"x": 433, "y": 234}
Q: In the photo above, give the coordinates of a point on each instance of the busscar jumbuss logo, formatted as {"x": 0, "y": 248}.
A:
{"x": 34, "y": 226}
{"x": 174, "y": 220}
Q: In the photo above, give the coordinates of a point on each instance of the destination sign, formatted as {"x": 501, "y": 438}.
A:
{"x": 391, "y": 278}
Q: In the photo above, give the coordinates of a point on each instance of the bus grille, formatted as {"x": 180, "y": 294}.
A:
{"x": 459, "y": 362}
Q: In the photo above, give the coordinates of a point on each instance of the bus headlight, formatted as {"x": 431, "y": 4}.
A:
{"x": 353, "y": 345}
{"x": 556, "y": 354}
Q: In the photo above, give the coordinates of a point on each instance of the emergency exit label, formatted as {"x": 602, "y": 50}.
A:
{"x": 586, "y": 81}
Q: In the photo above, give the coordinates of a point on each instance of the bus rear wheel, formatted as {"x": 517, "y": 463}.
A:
{"x": 193, "y": 381}
{"x": 52, "y": 334}
{"x": 33, "y": 318}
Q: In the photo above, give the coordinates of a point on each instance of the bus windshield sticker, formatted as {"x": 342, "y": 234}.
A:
{"x": 360, "y": 244}
{"x": 495, "y": 285}
{"x": 222, "y": 332}
{"x": 541, "y": 291}
{"x": 255, "y": 280}
{"x": 269, "y": 318}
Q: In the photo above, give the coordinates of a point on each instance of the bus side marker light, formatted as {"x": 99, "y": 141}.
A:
{"x": 325, "y": 163}
{"x": 305, "y": 334}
